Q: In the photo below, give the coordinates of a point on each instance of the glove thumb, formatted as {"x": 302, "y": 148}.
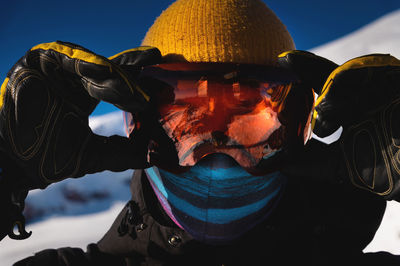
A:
{"x": 114, "y": 153}
{"x": 313, "y": 71}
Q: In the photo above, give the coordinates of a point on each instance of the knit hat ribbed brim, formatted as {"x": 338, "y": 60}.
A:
{"x": 230, "y": 31}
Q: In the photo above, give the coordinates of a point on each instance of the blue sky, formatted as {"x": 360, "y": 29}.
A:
{"x": 108, "y": 27}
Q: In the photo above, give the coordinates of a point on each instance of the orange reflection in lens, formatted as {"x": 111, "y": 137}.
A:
{"x": 236, "y": 118}
{"x": 211, "y": 105}
{"x": 254, "y": 127}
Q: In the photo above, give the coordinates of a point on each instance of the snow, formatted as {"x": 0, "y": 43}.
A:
{"x": 108, "y": 124}
{"x": 387, "y": 238}
{"x": 381, "y": 36}
{"x": 57, "y": 232}
{"x": 77, "y": 212}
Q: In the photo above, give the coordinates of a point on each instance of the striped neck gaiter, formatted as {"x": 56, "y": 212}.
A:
{"x": 216, "y": 204}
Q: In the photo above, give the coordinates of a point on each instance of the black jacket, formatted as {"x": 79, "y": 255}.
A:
{"x": 312, "y": 224}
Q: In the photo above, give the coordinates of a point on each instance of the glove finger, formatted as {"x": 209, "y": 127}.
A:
{"x": 161, "y": 149}
{"x": 117, "y": 153}
{"x": 139, "y": 57}
{"x": 311, "y": 69}
{"x": 130, "y": 64}
{"x": 163, "y": 154}
{"x": 114, "y": 153}
{"x": 69, "y": 65}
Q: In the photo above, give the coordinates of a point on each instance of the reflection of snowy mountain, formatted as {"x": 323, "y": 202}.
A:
{"x": 79, "y": 211}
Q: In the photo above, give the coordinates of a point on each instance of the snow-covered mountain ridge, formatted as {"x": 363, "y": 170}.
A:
{"x": 380, "y": 36}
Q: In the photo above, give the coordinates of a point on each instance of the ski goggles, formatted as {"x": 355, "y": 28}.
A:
{"x": 248, "y": 112}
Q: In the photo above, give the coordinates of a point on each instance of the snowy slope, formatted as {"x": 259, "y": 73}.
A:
{"x": 57, "y": 232}
{"x": 381, "y": 36}
{"x": 76, "y": 212}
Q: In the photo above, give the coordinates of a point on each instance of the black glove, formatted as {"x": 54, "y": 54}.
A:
{"x": 45, "y": 102}
{"x": 362, "y": 96}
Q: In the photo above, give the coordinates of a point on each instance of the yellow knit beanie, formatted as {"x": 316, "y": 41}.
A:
{"x": 234, "y": 31}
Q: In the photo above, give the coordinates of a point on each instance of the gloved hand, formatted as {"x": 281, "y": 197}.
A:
{"x": 362, "y": 96}
{"x": 45, "y": 103}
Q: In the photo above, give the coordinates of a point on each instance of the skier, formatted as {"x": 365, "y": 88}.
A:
{"x": 219, "y": 118}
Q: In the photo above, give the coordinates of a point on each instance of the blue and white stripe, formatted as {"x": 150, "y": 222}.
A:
{"x": 216, "y": 205}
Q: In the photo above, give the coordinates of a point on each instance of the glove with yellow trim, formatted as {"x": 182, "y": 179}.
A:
{"x": 44, "y": 107}
{"x": 362, "y": 96}
{"x": 45, "y": 102}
